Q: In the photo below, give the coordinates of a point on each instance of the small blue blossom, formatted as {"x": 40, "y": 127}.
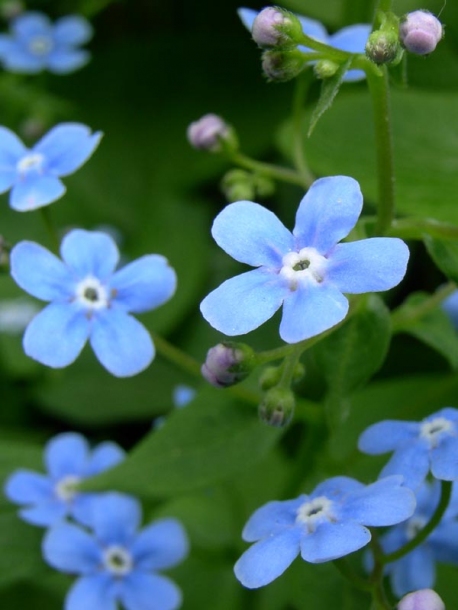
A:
{"x": 182, "y": 395}
{"x": 90, "y": 300}
{"x": 325, "y": 525}
{"x": 306, "y": 270}
{"x": 417, "y": 446}
{"x": 35, "y": 44}
{"x": 118, "y": 564}
{"x": 450, "y": 306}
{"x": 33, "y": 174}
{"x": 352, "y": 38}
{"x": 49, "y": 498}
{"x": 416, "y": 570}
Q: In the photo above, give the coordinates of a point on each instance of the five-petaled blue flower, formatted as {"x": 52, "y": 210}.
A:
{"x": 33, "y": 174}
{"x": 307, "y": 270}
{"x": 416, "y": 570}
{"x": 90, "y": 300}
{"x": 418, "y": 446}
{"x": 50, "y": 498}
{"x": 118, "y": 563}
{"x": 325, "y": 525}
{"x": 35, "y": 44}
{"x": 352, "y": 38}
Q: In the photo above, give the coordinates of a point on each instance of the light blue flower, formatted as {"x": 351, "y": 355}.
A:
{"x": 450, "y": 306}
{"x": 417, "y": 446}
{"x": 306, "y": 270}
{"x": 33, "y": 174}
{"x": 35, "y": 44}
{"x": 49, "y": 498}
{"x": 117, "y": 564}
{"x": 416, "y": 570}
{"x": 352, "y": 38}
{"x": 90, "y": 300}
{"x": 323, "y": 526}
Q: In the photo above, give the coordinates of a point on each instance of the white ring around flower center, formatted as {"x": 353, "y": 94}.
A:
{"x": 431, "y": 430}
{"x": 67, "y": 488}
{"x": 117, "y": 560}
{"x": 316, "y": 510}
{"x": 30, "y": 162}
{"x": 41, "y": 45}
{"x": 303, "y": 266}
{"x": 91, "y": 293}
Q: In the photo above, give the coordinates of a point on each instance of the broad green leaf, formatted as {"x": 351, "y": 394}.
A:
{"x": 444, "y": 253}
{"x": 210, "y": 440}
{"x": 329, "y": 89}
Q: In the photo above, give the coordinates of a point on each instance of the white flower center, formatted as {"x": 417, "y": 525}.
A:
{"x": 91, "y": 293}
{"x": 307, "y": 265}
{"x": 40, "y": 45}
{"x": 33, "y": 161}
{"x": 314, "y": 512}
{"x": 431, "y": 430}
{"x": 67, "y": 488}
{"x": 117, "y": 560}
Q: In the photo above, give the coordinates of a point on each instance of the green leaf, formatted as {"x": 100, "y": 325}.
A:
{"x": 210, "y": 440}
{"x": 444, "y": 253}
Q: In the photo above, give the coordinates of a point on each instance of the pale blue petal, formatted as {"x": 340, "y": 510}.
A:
{"x": 7, "y": 44}
{"x": 45, "y": 514}
{"x": 140, "y": 591}
{"x": 81, "y": 507}
{"x": 28, "y": 487}
{"x": 272, "y": 518}
{"x": 122, "y": 345}
{"x": 56, "y": 336}
{"x": 352, "y": 39}
{"x": 144, "y": 284}
{"x": 353, "y": 76}
{"x": 412, "y": 461}
{"x": 449, "y": 413}
{"x": 66, "y": 454}
{"x": 71, "y": 549}
{"x": 382, "y": 503}
{"x": 414, "y": 571}
{"x": 31, "y": 23}
{"x": 314, "y": 29}
{"x": 182, "y": 395}
{"x": 444, "y": 542}
{"x": 310, "y": 310}
{"x": 247, "y": 16}
{"x": 90, "y": 253}
{"x": 244, "y": 302}
{"x": 34, "y": 191}
{"x": 267, "y": 559}
{"x": 39, "y": 272}
{"x": 160, "y": 545}
{"x": 369, "y": 265}
{"x": 22, "y": 61}
{"x": 72, "y": 30}
{"x": 252, "y": 234}
{"x": 116, "y": 518}
{"x": 64, "y": 61}
{"x": 444, "y": 459}
{"x": 387, "y": 435}
{"x": 328, "y": 212}
{"x": 96, "y": 592}
{"x": 11, "y": 150}
{"x": 333, "y": 540}
{"x": 450, "y": 306}
{"x": 7, "y": 179}
{"x": 104, "y": 456}
{"x": 337, "y": 488}
{"x": 66, "y": 147}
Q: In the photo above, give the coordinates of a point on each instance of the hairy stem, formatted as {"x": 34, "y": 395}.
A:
{"x": 302, "y": 86}
{"x": 267, "y": 169}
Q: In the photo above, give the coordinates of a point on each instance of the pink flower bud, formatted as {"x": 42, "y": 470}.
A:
{"x": 420, "y": 32}
{"x": 228, "y": 363}
{"x": 423, "y": 599}
{"x": 276, "y": 27}
{"x": 205, "y": 133}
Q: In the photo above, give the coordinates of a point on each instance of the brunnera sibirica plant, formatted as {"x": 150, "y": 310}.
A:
{"x": 246, "y": 478}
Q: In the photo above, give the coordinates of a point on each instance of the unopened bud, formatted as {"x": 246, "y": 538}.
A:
{"x": 238, "y": 185}
{"x": 228, "y": 363}
{"x": 423, "y": 599}
{"x": 207, "y": 133}
{"x": 276, "y": 27}
{"x": 325, "y": 68}
{"x": 420, "y": 32}
{"x": 277, "y": 407}
{"x": 281, "y": 66}
{"x": 382, "y": 47}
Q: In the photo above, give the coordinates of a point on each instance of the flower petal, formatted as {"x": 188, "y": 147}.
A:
{"x": 72, "y": 30}
{"x": 17, "y": 59}
{"x": 66, "y": 454}
{"x": 160, "y": 545}
{"x": 444, "y": 542}
{"x": 140, "y": 591}
{"x": 310, "y": 310}
{"x": 387, "y": 435}
{"x": 7, "y": 179}
{"x": 45, "y": 515}
{"x": 267, "y": 559}
{"x": 328, "y": 212}
{"x": 65, "y": 61}
{"x": 104, "y": 456}
{"x": 66, "y": 147}
{"x": 244, "y": 302}
{"x": 56, "y": 336}
{"x": 369, "y": 265}
{"x": 39, "y": 272}
{"x": 69, "y": 548}
{"x": 96, "y": 592}
{"x": 28, "y": 487}
{"x": 252, "y": 234}
{"x": 247, "y": 16}
{"x": 144, "y": 284}
{"x": 90, "y": 253}
{"x": 271, "y": 519}
{"x": 31, "y": 23}
{"x": 414, "y": 571}
{"x": 116, "y": 518}
{"x": 333, "y": 540}
{"x": 35, "y": 191}
{"x": 444, "y": 459}
{"x": 11, "y": 150}
{"x": 412, "y": 461}
{"x": 352, "y": 39}
{"x": 337, "y": 488}
{"x": 122, "y": 345}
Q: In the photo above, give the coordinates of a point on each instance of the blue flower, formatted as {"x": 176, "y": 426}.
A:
{"x": 418, "y": 446}
{"x": 351, "y": 39}
{"x": 416, "y": 570}
{"x": 305, "y": 271}
{"x": 35, "y": 44}
{"x": 118, "y": 563}
{"x": 49, "y": 498}
{"x": 450, "y": 306}
{"x": 33, "y": 174}
{"x": 325, "y": 525}
{"x": 90, "y": 300}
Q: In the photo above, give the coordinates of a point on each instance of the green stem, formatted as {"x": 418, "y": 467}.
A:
{"x": 302, "y": 86}
{"x": 384, "y": 6}
{"x": 50, "y": 227}
{"x": 289, "y": 367}
{"x": 268, "y": 169}
{"x": 349, "y": 574}
{"x": 446, "y": 491}
{"x": 379, "y": 90}
{"x": 400, "y": 319}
